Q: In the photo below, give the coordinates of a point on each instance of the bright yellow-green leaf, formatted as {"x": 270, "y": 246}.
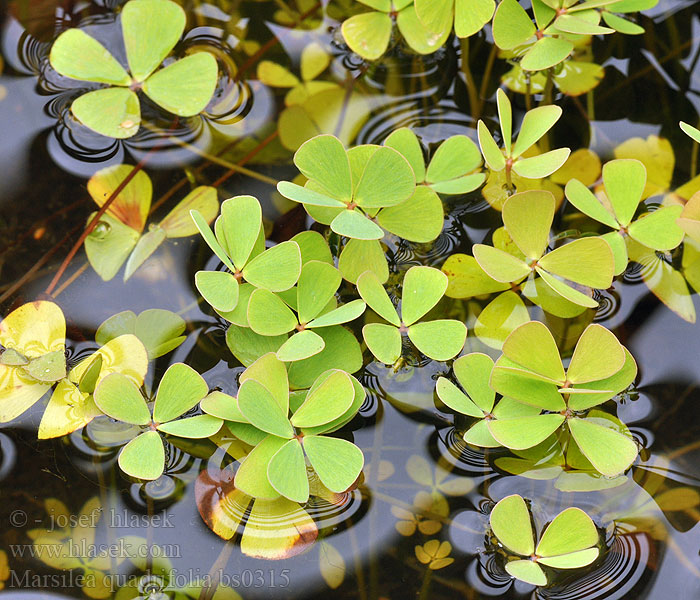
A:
{"x": 119, "y": 397}
{"x": 383, "y": 341}
{"x": 510, "y": 523}
{"x": 374, "y": 294}
{"x": 418, "y": 219}
{"x": 241, "y": 224}
{"x": 473, "y": 371}
{"x": 622, "y": 25}
{"x": 499, "y": 318}
{"x": 573, "y": 560}
{"x": 194, "y": 428}
{"x": 274, "y": 75}
{"x": 584, "y": 200}
{"x": 520, "y": 433}
{"x": 658, "y": 229}
{"x": 354, "y": 224}
{"x": 441, "y": 339}
{"x": 455, "y": 157}
{"x": 277, "y": 269}
{"x": 436, "y": 15}
{"x": 387, "y": 180}
{"x": 546, "y": 53}
{"x": 286, "y": 472}
{"x": 68, "y": 410}
{"x": 151, "y": 29}
{"x": 185, "y": 87}
{"x": 527, "y": 571}
{"x": 570, "y": 531}
{"x": 323, "y": 159}
{"x": 262, "y": 410}
{"x": 325, "y": 402}
{"x": 143, "y": 457}
{"x": 359, "y": 256}
{"x": 598, "y": 355}
{"x": 420, "y": 38}
{"x": 567, "y": 292}
{"x": 337, "y": 462}
{"x": 181, "y": 388}
{"x": 112, "y": 112}
{"x": 588, "y": 261}
{"x": 455, "y": 399}
{"x": 500, "y": 265}
{"x": 76, "y": 55}
{"x": 690, "y": 131}
{"x": 542, "y": 165}
{"x": 314, "y": 60}
{"x": 536, "y": 123}
{"x": 492, "y": 153}
{"x": 368, "y": 34}
{"x": 610, "y": 452}
{"x": 505, "y": 118}
{"x": 466, "y": 278}
{"x": 527, "y": 217}
{"x": 251, "y": 477}
{"x": 269, "y": 315}
{"x": 511, "y": 25}
{"x": 422, "y": 289}
{"x": 532, "y": 346}
{"x": 472, "y": 15}
{"x": 34, "y": 329}
{"x": 404, "y": 141}
{"x": 624, "y": 181}
{"x": 657, "y": 156}
{"x": 218, "y": 288}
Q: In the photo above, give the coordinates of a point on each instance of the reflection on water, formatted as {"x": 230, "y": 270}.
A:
{"x": 422, "y": 482}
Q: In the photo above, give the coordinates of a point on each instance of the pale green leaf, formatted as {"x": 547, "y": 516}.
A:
{"x": 269, "y": 315}
{"x": 610, "y": 452}
{"x": 545, "y": 53}
{"x": 536, "y": 123}
{"x": 277, "y": 269}
{"x": 204, "y": 230}
{"x": 317, "y": 285}
{"x": 598, "y": 355}
{"x": 510, "y": 523}
{"x": 112, "y": 112}
{"x": 404, "y": 141}
{"x": 261, "y": 409}
{"x": 455, "y": 157}
{"x": 354, "y": 224}
{"x": 218, "y": 288}
{"x": 300, "y": 346}
{"x": 466, "y": 278}
{"x": 472, "y": 15}
{"x": 286, "y": 472}
{"x": 442, "y": 339}
{"x": 147, "y": 245}
{"x": 323, "y": 159}
{"x": 374, "y": 294}
{"x": 306, "y": 195}
{"x": 566, "y": 291}
{"x": 387, "y": 180}
{"x": 542, "y": 165}
{"x": 658, "y": 229}
{"x": 420, "y": 38}
{"x": 76, "y": 55}
{"x": 368, "y": 34}
{"x": 337, "y": 462}
{"x": 573, "y": 560}
{"x": 274, "y": 75}
{"x": 621, "y": 25}
{"x": 624, "y": 180}
{"x": 492, "y": 153}
{"x": 359, "y": 256}
{"x": 454, "y": 398}
{"x": 519, "y": 433}
{"x": 143, "y": 457}
{"x": 342, "y": 314}
{"x": 119, "y": 397}
{"x": 383, "y": 341}
{"x": 527, "y": 217}
{"x": 241, "y": 224}
{"x": 222, "y": 406}
{"x": 151, "y": 28}
{"x": 181, "y": 388}
{"x": 576, "y": 25}
{"x": 511, "y": 25}
{"x": 500, "y": 265}
{"x": 325, "y": 402}
{"x": 418, "y": 219}
{"x": 422, "y": 289}
{"x": 505, "y": 118}
{"x": 499, "y": 318}
{"x": 588, "y": 261}
{"x": 690, "y": 131}
{"x": 251, "y": 477}
{"x": 532, "y": 346}
{"x": 436, "y": 15}
{"x": 185, "y": 87}
{"x": 584, "y": 200}
{"x": 197, "y": 427}
{"x": 108, "y": 246}
{"x": 473, "y": 371}
{"x": 570, "y": 531}
{"x": 527, "y": 571}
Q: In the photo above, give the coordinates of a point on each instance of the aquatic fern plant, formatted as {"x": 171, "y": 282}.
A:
{"x": 181, "y": 389}
{"x": 287, "y": 430}
{"x": 536, "y": 123}
{"x": 151, "y": 29}
{"x": 568, "y": 542}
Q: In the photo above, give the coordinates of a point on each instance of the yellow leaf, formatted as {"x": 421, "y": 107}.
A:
{"x": 657, "y": 156}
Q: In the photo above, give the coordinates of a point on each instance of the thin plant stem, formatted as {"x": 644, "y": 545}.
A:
{"x": 425, "y": 588}
{"x": 486, "y": 79}
{"x": 78, "y": 272}
{"x": 471, "y": 86}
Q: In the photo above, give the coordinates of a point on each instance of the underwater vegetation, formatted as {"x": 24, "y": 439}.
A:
{"x": 371, "y": 294}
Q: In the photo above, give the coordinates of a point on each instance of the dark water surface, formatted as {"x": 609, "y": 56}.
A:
{"x": 652, "y": 81}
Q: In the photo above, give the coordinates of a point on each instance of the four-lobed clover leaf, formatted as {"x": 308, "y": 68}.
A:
{"x": 150, "y": 29}
{"x": 181, "y": 389}
{"x": 314, "y": 301}
{"x": 34, "y": 341}
{"x": 238, "y": 241}
{"x": 536, "y": 123}
{"x": 530, "y": 371}
{"x": 261, "y": 416}
{"x": 550, "y": 40}
{"x": 349, "y": 187}
{"x": 368, "y": 34}
{"x": 117, "y": 237}
{"x": 624, "y": 181}
{"x": 528, "y": 217}
{"x": 423, "y": 287}
{"x": 568, "y": 542}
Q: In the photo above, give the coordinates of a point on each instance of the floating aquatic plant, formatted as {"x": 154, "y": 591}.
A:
{"x": 466, "y": 16}
{"x": 568, "y": 542}
{"x": 530, "y": 371}
{"x": 117, "y": 238}
{"x": 151, "y": 29}
{"x": 283, "y": 443}
{"x": 181, "y": 389}
{"x": 238, "y": 241}
{"x": 536, "y": 123}
{"x": 624, "y": 181}
{"x": 423, "y": 287}
{"x": 268, "y": 314}
{"x": 528, "y": 217}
